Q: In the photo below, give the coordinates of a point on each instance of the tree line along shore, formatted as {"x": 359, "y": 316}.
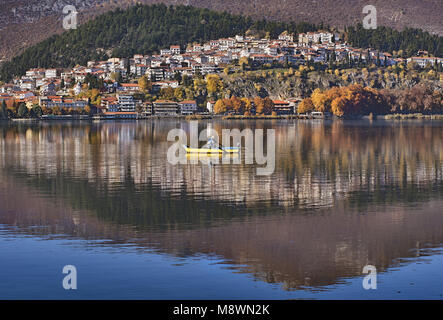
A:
{"x": 342, "y": 102}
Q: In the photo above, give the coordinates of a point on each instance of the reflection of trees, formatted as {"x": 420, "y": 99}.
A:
{"x": 313, "y": 249}
{"x": 146, "y": 207}
{"x": 349, "y": 157}
{"x": 316, "y": 163}
{"x": 116, "y": 179}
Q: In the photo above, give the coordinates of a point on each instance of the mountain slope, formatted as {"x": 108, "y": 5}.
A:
{"x": 26, "y": 22}
{"x": 139, "y": 29}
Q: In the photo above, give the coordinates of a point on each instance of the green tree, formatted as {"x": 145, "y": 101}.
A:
{"x": 36, "y": 111}
{"x": 4, "y": 111}
{"x": 22, "y": 111}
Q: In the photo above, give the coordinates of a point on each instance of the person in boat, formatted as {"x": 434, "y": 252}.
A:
{"x": 212, "y": 144}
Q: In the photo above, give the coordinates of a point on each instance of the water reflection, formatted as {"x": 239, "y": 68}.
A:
{"x": 343, "y": 195}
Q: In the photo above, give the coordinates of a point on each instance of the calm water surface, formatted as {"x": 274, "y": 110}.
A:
{"x": 102, "y": 197}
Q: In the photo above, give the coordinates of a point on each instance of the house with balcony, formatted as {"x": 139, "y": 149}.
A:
{"x": 61, "y": 102}
{"x": 129, "y": 87}
{"x": 282, "y": 107}
{"x": 126, "y": 103}
{"x": 166, "y": 108}
{"x": 188, "y": 107}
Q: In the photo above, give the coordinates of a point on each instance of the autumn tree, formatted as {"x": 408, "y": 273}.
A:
{"x": 247, "y": 105}
{"x": 319, "y": 100}
{"x": 237, "y": 105}
{"x": 306, "y": 106}
{"x": 213, "y": 84}
{"x": 341, "y": 105}
{"x": 259, "y": 105}
{"x": 116, "y": 76}
{"x": 179, "y": 93}
{"x": 263, "y": 105}
{"x": 87, "y": 110}
{"x": 220, "y": 106}
{"x": 167, "y": 93}
{"x": 56, "y": 111}
{"x": 199, "y": 86}
{"x": 144, "y": 84}
{"x": 94, "y": 96}
{"x": 268, "y": 106}
{"x": 244, "y": 63}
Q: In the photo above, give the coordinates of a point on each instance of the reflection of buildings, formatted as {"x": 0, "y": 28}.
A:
{"x": 316, "y": 165}
{"x": 326, "y": 167}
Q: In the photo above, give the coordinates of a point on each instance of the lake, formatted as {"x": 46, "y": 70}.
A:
{"x": 103, "y": 197}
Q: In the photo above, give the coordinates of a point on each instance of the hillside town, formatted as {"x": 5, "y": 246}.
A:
{"x": 62, "y": 91}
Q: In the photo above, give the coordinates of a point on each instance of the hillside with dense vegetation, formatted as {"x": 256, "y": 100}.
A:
{"x": 301, "y": 81}
{"x": 140, "y": 29}
{"x": 146, "y": 29}
{"x": 26, "y": 22}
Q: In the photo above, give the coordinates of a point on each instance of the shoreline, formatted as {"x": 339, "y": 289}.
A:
{"x": 397, "y": 116}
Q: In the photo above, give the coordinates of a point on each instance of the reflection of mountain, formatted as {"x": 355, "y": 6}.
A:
{"x": 311, "y": 249}
{"x": 336, "y": 202}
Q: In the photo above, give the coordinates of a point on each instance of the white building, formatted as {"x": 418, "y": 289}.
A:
{"x": 175, "y": 49}
{"x": 424, "y": 61}
{"x": 77, "y": 88}
{"x": 51, "y": 73}
{"x": 286, "y": 36}
{"x": 126, "y": 102}
{"x": 210, "y": 106}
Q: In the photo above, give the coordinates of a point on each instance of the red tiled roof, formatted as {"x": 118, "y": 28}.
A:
{"x": 280, "y": 102}
{"x": 164, "y": 101}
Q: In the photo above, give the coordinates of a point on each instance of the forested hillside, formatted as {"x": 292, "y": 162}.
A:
{"x": 27, "y": 22}
{"x": 387, "y": 39}
{"x": 140, "y": 29}
{"x": 146, "y": 29}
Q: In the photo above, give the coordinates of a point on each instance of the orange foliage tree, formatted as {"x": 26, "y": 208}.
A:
{"x": 351, "y": 100}
{"x": 220, "y": 106}
{"x": 263, "y": 106}
{"x": 306, "y": 106}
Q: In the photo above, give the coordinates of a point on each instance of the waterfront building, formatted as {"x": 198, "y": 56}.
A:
{"x": 61, "y": 102}
{"x": 166, "y": 108}
{"x": 283, "y": 107}
{"x": 188, "y": 107}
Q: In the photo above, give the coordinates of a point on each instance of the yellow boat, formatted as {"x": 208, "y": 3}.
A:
{"x": 211, "y": 156}
{"x": 206, "y": 150}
